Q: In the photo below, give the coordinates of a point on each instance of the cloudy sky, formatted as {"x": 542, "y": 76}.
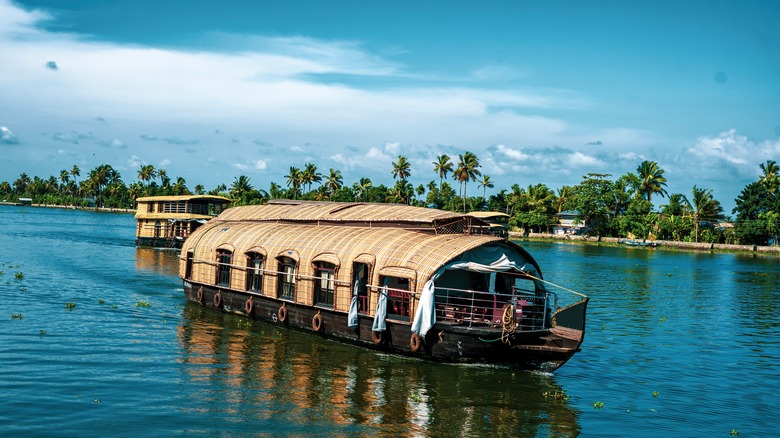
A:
{"x": 540, "y": 91}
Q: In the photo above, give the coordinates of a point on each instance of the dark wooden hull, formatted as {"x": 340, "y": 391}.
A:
{"x": 159, "y": 242}
{"x": 530, "y": 350}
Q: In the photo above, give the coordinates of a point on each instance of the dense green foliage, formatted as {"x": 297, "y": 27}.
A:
{"x": 602, "y": 205}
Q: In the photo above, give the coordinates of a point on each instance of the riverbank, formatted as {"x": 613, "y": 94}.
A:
{"x": 664, "y": 244}
{"x": 72, "y": 207}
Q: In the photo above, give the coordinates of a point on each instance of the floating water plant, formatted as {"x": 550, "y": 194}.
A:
{"x": 19, "y": 276}
{"x": 655, "y": 394}
{"x": 598, "y": 405}
{"x": 17, "y": 316}
{"x": 734, "y": 432}
{"x": 114, "y": 306}
{"x": 663, "y": 319}
{"x": 557, "y": 395}
{"x": 43, "y": 332}
{"x": 101, "y": 301}
{"x": 142, "y": 304}
{"x": 70, "y": 306}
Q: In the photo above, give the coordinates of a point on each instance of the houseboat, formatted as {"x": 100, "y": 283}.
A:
{"x": 166, "y": 221}
{"x": 405, "y": 280}
{"x": 498, "y": 223}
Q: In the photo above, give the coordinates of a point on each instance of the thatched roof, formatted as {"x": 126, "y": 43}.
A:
{"x": 367, "y": 214}
{"x": 183, "y": 198}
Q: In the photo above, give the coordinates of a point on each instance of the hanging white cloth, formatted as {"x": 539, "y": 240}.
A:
{"x": 484, "y": 260}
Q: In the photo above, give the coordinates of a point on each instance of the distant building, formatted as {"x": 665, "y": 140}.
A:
{"x": 25, "y": 201}
{"x": 567, "y": 223}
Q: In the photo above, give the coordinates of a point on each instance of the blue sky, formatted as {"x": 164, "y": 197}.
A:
{"x": 541, "y": 92}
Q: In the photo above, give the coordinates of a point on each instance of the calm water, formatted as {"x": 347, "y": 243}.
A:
{"x": 678, "y": 344}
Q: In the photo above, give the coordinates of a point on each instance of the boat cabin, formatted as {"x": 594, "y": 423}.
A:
{"x": 497, "y": 223}
{"x": 166, "y": 221}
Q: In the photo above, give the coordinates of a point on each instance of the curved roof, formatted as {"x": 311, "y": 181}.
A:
{"x": 392, "y": 247}
{"x": 303, "y": 211}
{"x": 183, "y": 198}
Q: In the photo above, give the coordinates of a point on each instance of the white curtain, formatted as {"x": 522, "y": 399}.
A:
{"x": 484, "y": 260}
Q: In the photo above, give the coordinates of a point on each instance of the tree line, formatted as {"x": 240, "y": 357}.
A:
{"x": 602, "y": 205}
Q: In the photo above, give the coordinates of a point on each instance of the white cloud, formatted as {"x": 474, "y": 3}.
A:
{"x": 260, "y": 164}
{"x": 164, "y": 163}
{"x": 583, "y": 161}
{"x": 7, "y": 137}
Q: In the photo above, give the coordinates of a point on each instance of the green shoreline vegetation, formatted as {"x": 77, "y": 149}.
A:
{"x": 601, "y": 205}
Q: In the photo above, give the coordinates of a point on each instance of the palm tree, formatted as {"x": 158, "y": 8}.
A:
{"x": 165, "y": 182}
{"x": 467, "y": 170}
{"x": 442, "y": 166}
{"x": 564, "y": 196}
{"x": 309, "y": 175}
{"x": 240, "y": 188}
{"x": 294, "y": 180}
{"x": 769, "y": 176}
{"x": 147, "y": 173}
{"x": 485, "y": 183}
{"x": 180, "y": 187}
{"x": 361, "y": 187}
{"x": 401, "y": 168}
{"x": 75, "y": 172}
{"x": 652, "y": 179}
{"x": 199, "y": 189}
{"x": 334, "y": 182}
{"x": 704, "y": 206}
{"x": 64, "y": 178}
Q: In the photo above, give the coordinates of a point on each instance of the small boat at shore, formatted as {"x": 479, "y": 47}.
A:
{"x": 165, "y": 221}
{"x": 641, "y": 243}
{"x": 404, "y": 280}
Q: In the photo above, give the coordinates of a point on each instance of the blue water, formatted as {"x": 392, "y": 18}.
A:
{"x": 678, "y": 344}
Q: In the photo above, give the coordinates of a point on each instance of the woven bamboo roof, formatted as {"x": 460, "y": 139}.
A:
{"x": 183, "y": 198}
{"x": 343, "y": 212}
{"x": 391, "y": 250}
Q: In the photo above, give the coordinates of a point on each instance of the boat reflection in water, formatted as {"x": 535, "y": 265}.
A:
{"x": 162, "y": 261}
{"x": 281, "y": 381}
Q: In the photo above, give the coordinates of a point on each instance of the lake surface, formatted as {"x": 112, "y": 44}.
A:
{"x": 96, "y": 339}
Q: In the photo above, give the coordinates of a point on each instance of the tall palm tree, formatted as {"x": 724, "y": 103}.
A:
{"x": 64, "y": 178}
{"x": 442, "y": 166}
{"x": 147, "y": 173}
{"x": 485, "y": 183}
{"x": 294, "y": 180}
{"x": 652, "y": 179}
{"x": 310, "y": 175}
{"x": 769, "y": 176}
{"x": 361, "y": 187}
{"x": 165, "y": 182}
{"x": 334, "y": 182}
{"x": 199, "y": 189}
{"x": 240, "y": 188}
{"x": 402, "y": 168}
{"x": 467, "y": 170}
{"x": 75, "y": 172}
{"x": 703, "y": 206}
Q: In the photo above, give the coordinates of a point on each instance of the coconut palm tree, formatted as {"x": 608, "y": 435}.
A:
{"x": 75, "y": 172}
{"x": 652, "y": 179}
{"x": 310, "y": 175}
{"x": 442, "y": 166}
{"x": 334, "y": 182}
{"x": 467, "y": 170}
{"x": 703, "y": 206}
{"x": 240, "y": 188}
{"x": 294, "y": 180}
{"x": 769, "y": 176}
{"x": 199, "y": 189}
{"x": 147, "y": 173}
{"x": 361, "y": 187}
{"x": 402, "y": 168}
{"x": 485, "y": 183}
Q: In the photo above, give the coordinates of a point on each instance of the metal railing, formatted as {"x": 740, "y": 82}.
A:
{"x": 479, "y": 308}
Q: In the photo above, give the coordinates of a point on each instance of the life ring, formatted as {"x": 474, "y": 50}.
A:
{"x": 316, "y": 323}
{"x": 249, "y": 306}
{"x": 415, "y": 342}
{"x": 282, "y": 314}
{"x": 377, "y": 337}
{"x": 200, "y": 295}
{"x": 217, "y": 300}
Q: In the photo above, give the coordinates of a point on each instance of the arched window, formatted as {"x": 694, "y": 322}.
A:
{"x": 324, "y": 283}
{"x": 224, "y": 259}
{"x": 254, "y": 271}
{"x": 286, "y": 278}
